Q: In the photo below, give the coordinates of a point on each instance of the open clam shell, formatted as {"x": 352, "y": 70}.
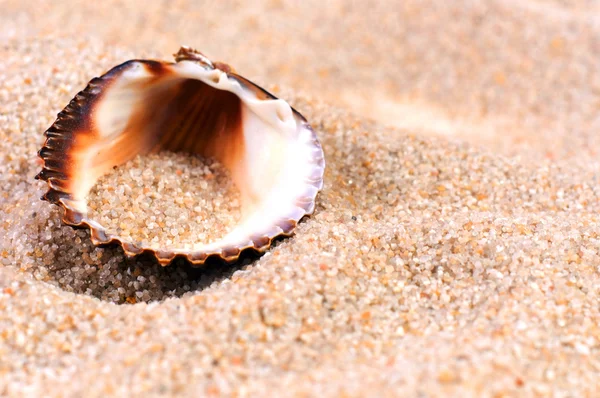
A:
{"x": 196, "y": 106}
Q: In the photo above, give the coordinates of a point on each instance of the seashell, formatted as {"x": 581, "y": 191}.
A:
{"x": 140, "y": 106}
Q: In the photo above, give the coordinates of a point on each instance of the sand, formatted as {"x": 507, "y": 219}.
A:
{"x": 167, "y": 200}
{"x": 454, "y": 250}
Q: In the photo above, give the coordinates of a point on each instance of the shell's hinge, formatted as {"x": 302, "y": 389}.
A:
{"x": 186, "y": 53}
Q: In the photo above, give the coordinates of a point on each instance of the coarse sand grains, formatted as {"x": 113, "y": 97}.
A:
{"x": 431, "y": 267}
{"x": 167, "y": 200}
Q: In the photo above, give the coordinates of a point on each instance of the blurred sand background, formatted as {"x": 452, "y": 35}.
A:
{"x": 455, "y": 250}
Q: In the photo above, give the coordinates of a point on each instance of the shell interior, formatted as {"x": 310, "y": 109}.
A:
{"x": 144, "y": 106}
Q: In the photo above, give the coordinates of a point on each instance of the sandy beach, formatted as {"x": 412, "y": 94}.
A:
{"x": 454, "y": 250}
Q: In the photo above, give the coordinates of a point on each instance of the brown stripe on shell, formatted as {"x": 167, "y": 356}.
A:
{"x": 55, "y": 152}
